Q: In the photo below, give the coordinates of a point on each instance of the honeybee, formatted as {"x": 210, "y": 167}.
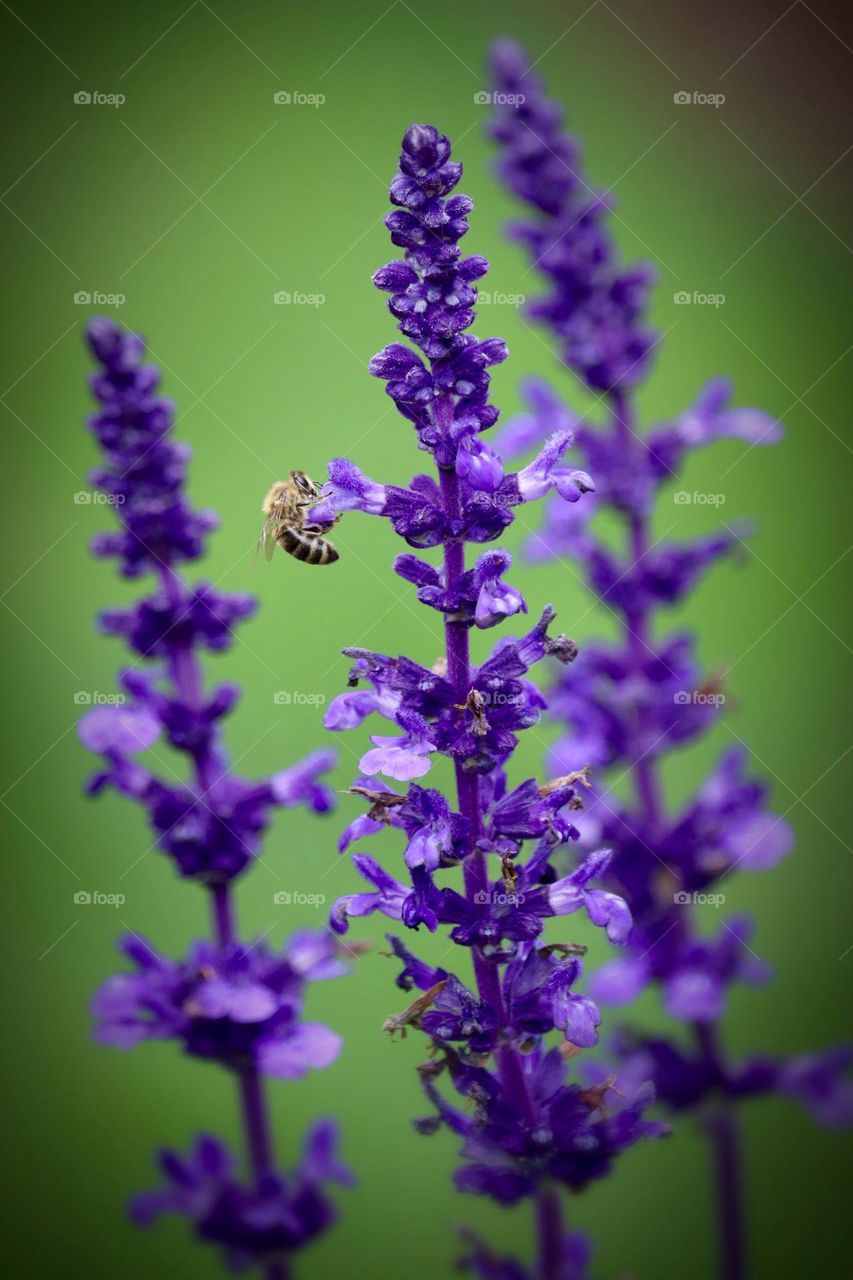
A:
{"x": 284, "y": 507}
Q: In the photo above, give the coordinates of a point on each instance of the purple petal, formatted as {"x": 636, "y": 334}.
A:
{"x": 252, "y": 1002}
{"x": 310, "y": 1046}
{"x": 694, "y": 996}
{"x": 619, "y": 981}
{"x": 610, "y": 912}
{"x": 123, "y": 730}
{"x": 579, "y": 1018}
{"x": 761, "y": 842}
{"x": 314, "y": 956}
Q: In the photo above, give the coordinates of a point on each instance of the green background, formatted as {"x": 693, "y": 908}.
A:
{"x": 198, "y": 199}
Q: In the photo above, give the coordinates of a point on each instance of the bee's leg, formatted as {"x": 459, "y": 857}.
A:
{"x": 321, "y": 528}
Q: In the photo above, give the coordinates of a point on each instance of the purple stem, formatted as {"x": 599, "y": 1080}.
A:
{"x": 510, "y": 1066}
{"x": 722, "y": 1125}
{"x": 253, "y": 1105}
{"x": 223, "y": 914}
{"x": 189, "y": 684}
{"x": 549, "y": 1226}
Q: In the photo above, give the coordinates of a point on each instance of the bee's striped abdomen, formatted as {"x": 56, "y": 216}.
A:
{"x": 306, "y": 547}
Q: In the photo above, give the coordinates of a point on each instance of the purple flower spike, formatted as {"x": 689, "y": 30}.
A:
{"x": 631, "y": 700}
{"x": 481, "y": 860}
{"x": 239, "y": 1006}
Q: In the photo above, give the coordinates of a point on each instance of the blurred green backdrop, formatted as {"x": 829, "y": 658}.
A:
{"x": 197, "y": 199}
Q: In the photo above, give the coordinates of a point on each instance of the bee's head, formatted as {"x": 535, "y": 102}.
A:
{"x": 304, "y": 484}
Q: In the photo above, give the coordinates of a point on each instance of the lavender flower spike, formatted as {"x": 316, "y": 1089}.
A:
{"x": 527, "y": 1127}
{"x": 234, "y": 1003}
{"x": 628, "y": 703}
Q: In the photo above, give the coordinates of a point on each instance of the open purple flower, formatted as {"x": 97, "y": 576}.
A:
{"x": 239, "y": 1006}
{"x": 254, "y": 1225}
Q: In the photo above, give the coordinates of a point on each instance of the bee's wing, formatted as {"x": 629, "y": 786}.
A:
{"x": 266, "y": 538}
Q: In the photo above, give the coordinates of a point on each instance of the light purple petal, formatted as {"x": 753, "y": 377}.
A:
{"x": 761, "y": 843}
{"x": 314, "y": 956}
{"x": 564, "y": 897}
{"x": 123, "y": 730}
{"x": 694, "y": 996}
{"x": 211, "y": 999}
{"x": 310, "y": 1046}
{"x": 619, "y": 981}
{"x": 252, "y": 1002}
{"x": 396, "y": 758}
{"x": 610, "y": 912}
{"x": 578, "y": 1017}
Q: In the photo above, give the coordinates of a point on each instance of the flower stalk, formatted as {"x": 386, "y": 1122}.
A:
{"x": 628, "y": 703}
{"x": 235, "y": 1003}
{"x": 528, "y": 1125}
